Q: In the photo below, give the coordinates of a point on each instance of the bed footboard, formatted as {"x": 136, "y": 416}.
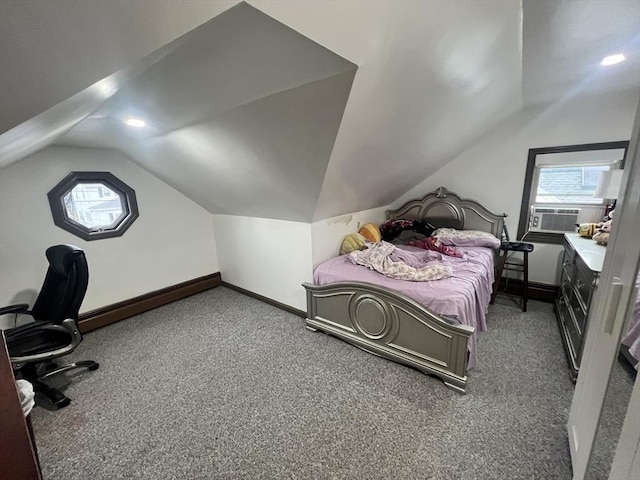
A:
{"x": 392, "y": 326}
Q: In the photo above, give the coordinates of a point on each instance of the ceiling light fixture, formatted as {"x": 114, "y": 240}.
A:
{"x": 135, "y": 122}
{"x": 612, "y": 59}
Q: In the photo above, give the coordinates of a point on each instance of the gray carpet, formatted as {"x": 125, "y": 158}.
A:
{"x": 611, "y": 420}
{"x": 220, "y": 385}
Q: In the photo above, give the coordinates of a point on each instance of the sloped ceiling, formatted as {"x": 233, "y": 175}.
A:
{"x": 247, "y": 117}
{"x": 564, "y": 42}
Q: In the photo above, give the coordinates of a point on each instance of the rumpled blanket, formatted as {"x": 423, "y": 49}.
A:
{"x": 386, "y": 259}
{"x": 432, "y": 243}
{"x": 632, "y": 337}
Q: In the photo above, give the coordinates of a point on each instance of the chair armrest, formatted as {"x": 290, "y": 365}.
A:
{"x": 67, "y": 326}
{"x": 19, "y": 308}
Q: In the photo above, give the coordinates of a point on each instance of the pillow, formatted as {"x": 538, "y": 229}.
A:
{"x": 371, "y": 232}
{"x": 467, "y": 238}
{"x": 351, "y": 243}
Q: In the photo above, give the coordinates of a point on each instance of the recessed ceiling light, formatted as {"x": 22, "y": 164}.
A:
{"x": 135, "y": 122}
{"x": 612, "y": 59}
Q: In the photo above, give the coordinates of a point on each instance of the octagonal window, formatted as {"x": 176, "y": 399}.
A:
{"x": 93, "y": 205}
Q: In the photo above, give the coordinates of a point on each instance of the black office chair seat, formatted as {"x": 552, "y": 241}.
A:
{"x": 54, "y": 332}
{"x": 34, "y": 340}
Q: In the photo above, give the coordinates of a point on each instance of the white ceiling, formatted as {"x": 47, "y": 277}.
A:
{"x": 433, "y": 77}
{"x": 564, "y": 42}
{"x": 238, "y": 57}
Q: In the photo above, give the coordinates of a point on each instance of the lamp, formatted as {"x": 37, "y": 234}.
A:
{"x": 609, "y": 187}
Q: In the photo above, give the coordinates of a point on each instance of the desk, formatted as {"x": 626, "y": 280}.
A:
{"x": 18, "y": 455}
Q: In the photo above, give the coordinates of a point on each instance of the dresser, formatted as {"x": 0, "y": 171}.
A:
{"x": 581, "y": 266}
{"x": 18, "y": 454}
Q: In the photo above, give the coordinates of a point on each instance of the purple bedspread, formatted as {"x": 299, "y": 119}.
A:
{"x": 466, "y": 294}
{"x": 632, "y": 338}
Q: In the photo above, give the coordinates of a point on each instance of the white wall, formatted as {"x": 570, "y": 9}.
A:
{"x": 265, "y": 256}
{"x": 274, "y": 257}
{"x": 327, "y": 235}
{"x": 493, "y": 170}
{"x": 171, "y": 241}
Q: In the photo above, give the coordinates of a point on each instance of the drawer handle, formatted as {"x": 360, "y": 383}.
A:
{"x": 612, "y": 306}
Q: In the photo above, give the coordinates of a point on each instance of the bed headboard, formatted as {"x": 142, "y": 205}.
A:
{"x": 443, "y": 204}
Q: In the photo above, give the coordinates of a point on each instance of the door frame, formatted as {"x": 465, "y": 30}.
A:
{"x": 609, "y": 313}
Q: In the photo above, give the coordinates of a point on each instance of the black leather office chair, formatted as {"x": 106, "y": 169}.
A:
{"x": 32, "y": 347}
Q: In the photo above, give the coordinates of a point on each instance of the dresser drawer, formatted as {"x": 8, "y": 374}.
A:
{"x": 568, "y": 262}
{"x": 575, "y": 339}
{"x": 584, "y": 285}
{"x": 578, "y": 314}
{"x": 566, "y": 286}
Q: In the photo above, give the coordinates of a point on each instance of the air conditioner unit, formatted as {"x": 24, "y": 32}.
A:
{"x": 544, "y": 219}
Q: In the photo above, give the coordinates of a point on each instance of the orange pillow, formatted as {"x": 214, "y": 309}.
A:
{"x": 371, "y": 232}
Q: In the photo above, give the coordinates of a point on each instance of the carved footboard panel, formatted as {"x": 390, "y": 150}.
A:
{"x": 391, "y": 325}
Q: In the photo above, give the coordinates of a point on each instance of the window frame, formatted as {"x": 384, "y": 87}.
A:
{"x": 528, "y": 193}
{"x": 122, "y": 190}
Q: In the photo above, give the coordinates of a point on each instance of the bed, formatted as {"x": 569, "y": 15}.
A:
{"x": 412, "y": 328}
{"x": 631, "y": 341}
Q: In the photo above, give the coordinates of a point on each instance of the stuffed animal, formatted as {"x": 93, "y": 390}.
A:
{"x": 602, "y": 235}
{"x": 587, "y": 229}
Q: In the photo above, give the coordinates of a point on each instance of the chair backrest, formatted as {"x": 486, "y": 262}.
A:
{"x": 64, "y": 286}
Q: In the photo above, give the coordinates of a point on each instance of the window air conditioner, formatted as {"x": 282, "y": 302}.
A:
{"x": 553, "y": 219}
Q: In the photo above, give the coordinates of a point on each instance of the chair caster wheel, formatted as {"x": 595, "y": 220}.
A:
{"x": 63, "y": 403}
{"x": 58, "y": 399}
{"x": 95, "y": 366}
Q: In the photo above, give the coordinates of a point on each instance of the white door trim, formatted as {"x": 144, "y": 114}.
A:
{"x": 607, "y": 317}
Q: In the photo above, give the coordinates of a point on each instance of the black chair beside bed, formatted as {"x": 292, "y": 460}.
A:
{"x": 54, "y": 332}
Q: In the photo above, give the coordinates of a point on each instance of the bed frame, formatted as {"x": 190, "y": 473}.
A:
{"x": 391, "y": 325}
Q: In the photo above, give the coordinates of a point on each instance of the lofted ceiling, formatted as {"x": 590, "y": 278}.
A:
{"x": 296, "y": 110}
{"x": 564, "y": 42}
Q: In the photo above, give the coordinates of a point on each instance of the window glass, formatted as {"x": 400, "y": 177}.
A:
{"x": 93, "y": 205}
{"x": 569, "y": 184}
{"x": 85, "y": 204}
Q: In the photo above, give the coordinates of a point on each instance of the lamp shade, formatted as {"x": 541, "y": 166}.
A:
{"x": 609, "y": 184}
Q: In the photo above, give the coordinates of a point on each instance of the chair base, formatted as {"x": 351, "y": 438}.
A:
{"x": 40, "y": 382}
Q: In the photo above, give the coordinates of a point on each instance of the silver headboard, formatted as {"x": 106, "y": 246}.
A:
{"x": 442, "y": 203}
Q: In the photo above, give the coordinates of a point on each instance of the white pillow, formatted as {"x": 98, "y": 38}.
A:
{"x": 467, "y": 238}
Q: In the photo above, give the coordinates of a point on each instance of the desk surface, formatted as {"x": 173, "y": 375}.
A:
{"x": 17, "y": 455}
{"x": 591, "y": 253}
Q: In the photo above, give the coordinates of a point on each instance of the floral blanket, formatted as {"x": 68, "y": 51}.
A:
{"x": 432, "y": 243}
{"x": 384, "y": 258}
